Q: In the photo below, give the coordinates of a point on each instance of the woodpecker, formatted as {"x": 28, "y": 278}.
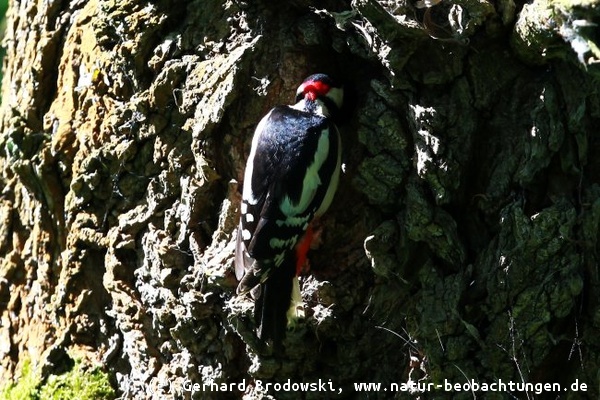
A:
{"x": 291, "y": 177}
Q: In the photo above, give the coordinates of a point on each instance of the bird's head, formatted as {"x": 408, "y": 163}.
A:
{"x": 321, "y": 94}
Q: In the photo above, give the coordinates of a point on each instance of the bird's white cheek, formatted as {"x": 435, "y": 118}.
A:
{"x": 337, "y": 95}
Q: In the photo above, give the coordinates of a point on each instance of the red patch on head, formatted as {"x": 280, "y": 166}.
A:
{"x": 314, "y": 89}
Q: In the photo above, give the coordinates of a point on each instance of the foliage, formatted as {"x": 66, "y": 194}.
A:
{"x": 25, "y": 388}
{"x": 80, "y": 382}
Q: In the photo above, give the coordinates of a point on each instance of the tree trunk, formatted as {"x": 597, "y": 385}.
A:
{"x": 461, "y": 246}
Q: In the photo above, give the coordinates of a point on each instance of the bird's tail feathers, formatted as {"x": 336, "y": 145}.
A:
{"x": 242, "y": 258}
{"x": 273, "y": 302}
{"x": 249, "y": 282}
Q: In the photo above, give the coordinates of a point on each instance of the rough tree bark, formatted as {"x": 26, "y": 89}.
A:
{"x": 462, "y": 244}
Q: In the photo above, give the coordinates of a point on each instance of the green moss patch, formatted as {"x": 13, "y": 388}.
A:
{"x": 81, "y": 382}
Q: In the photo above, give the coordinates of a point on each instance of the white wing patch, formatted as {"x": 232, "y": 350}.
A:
{"x": 334, "y": 180}
{"x": 283, "y": 243}
{"x": 279, "y": 259}
{"x": 311, "y": 180}
{"x": 293, "y": 221}
{"x": 248, "y": 192}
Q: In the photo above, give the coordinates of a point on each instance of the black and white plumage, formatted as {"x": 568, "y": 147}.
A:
{"x": 291, "y": 177}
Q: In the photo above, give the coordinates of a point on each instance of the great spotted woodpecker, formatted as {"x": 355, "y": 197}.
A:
{"x": 291, "y": 177}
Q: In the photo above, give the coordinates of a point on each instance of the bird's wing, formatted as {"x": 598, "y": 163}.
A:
{"x": 293, "y": 158}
